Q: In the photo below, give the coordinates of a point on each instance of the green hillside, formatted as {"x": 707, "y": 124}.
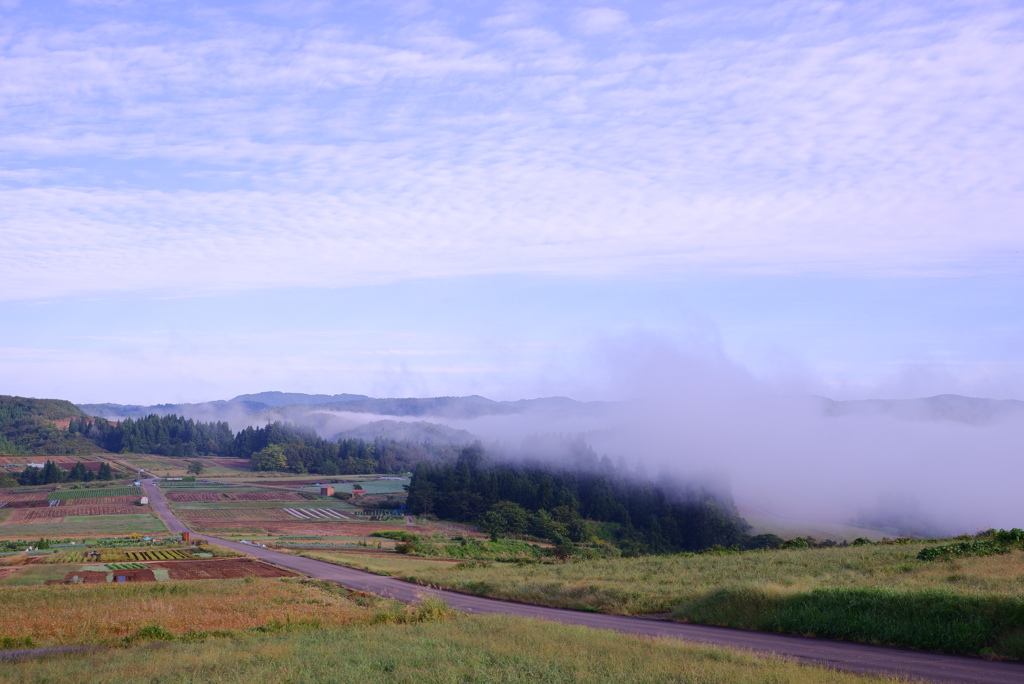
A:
{"x": 27, "y": 427}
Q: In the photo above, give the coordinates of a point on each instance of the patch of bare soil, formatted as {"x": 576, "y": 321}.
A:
{"x": 319, "y": 529}
{"x": 96, "y": 576}
{"x": 230, "y": 568}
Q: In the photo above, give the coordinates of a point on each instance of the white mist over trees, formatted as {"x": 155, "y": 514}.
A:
{"x": 693, "y": 410}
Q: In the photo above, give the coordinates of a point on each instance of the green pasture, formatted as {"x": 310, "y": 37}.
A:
{"x": 37, "y": 574}
{"x": 87, "y": 525}
{"x": 376, "y": 486}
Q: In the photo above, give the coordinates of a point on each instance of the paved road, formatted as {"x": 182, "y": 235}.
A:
{"x": 841, "y": 655}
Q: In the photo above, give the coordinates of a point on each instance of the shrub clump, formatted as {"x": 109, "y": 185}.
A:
{"x": 992, "y": 543}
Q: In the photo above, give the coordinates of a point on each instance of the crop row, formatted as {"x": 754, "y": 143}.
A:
{"x": 158, "y": 555}
{"x": 49, "y": 513}
{"x": 125, "y": 566}
{"x": 63, "y": 494}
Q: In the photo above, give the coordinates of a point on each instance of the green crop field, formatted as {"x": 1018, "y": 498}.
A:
{"x": 66, "y": 494}
{"x": 376, "y": 486}
{"x": 36, "y": 574}
{"x": 86, "y": 525}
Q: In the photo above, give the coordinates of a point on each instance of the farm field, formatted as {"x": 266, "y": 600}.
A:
{"x": 55, "y": 513}
{"x": 69, "y": 494}
{"x": 319, "y": 529}
{"x": 94, "y": 500}
{"x": 136, "y": 565}
{"x": 431, "y": 648}
{"x": 105, "y": 613}
{"x": 231, "y": 495}
{"x": 79, "y": 526}
{"x": 24, "y": 496}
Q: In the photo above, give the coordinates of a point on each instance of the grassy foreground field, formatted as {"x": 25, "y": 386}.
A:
{"x": 460, "y": 649}
{"x": 309, "y": 631}
{"x": 879, "y": 594}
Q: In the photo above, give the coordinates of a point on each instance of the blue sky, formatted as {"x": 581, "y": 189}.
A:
{"x": 201, "y": 199}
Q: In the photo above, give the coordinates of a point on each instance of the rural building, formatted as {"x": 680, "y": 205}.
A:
{"x": 327, "y": 491}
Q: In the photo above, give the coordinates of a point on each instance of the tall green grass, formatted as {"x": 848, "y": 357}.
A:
{"x": 465, "y": 649}
{"x": 881, "y": 594}
{"x": 928, "y": 619}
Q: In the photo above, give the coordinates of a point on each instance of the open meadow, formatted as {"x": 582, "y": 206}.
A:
{"x": 875, "y": 593}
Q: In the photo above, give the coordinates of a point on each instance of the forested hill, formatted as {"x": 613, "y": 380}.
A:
{"x": 583, "y": 500}
{"x": 37, "y": 426}
{"x": 285, "y": 447}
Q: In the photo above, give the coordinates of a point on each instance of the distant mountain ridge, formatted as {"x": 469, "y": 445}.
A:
{"x": 472, "y": 406}
{"x": 942, "y": 407}
{"x": 334, "y": 415}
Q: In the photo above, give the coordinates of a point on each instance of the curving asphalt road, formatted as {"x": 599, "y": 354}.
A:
{"x": 840, "y": 655}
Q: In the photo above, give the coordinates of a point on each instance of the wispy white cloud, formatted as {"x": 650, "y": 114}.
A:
{"x": 598, "y": 20}
{"x": 787, "y": 138}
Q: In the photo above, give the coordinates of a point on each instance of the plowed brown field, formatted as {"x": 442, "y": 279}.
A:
{"x": 220, "y": 569}
{"x": 25, "y": 496}
{"x": 29, "y": 515}
{"x": 98, "y": 500}
{"x": 185, "y": 497}
{"x": 235, "y": 514}
{"x": 266, "y": 496}
{"x": 95, "y": 576}
{"x": 320, "y": 529}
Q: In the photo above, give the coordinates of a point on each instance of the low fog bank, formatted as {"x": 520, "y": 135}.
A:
{"x": 695, "y": 415}
{"x": 695, "y": 409}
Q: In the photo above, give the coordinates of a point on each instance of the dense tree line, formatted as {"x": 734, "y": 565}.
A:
{"x": 557, "y": 503}
{"x": 287, "y": 447}
{"x": 164, "y": 435}
{"x": 51, "y": 473}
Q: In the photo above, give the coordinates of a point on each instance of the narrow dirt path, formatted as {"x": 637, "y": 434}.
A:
{"x": 841, "y": 655}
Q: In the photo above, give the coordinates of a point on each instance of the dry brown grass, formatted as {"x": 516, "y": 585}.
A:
{"x": 74, "y": 614}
